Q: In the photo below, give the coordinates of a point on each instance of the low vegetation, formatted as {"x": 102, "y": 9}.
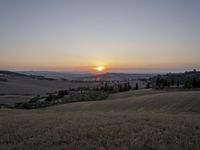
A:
{"x": 26, "y": 130}
{"x": 61, "y": 97}
{"x": 190, "y": 79}
{"x": 3, "y": 80}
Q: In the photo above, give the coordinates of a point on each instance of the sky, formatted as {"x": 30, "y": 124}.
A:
{"x": 120, "y": 35}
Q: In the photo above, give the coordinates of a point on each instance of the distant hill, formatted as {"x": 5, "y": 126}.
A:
{"x": 117, "y": 76}
{"x": 10, "y": 73}
{"x": 15, "y": 83}
{"x": 85, "y": 76}
{"x": 57, "y": 75}
{"x": 188, "y": 79}
{"x": 21, "y": 74}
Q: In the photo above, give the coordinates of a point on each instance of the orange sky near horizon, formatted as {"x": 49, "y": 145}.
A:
{"x": 118, "y": 35}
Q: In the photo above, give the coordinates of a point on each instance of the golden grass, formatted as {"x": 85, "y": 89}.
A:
{"x": 111, "y": 124}
{"x": 112, "y": 130}
{"x": 171, "y": 102}
{"x": 13, "y": 99}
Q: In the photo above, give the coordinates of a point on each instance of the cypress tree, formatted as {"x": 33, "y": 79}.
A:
{"x": 178, "y": 83}
{"x": 148, "y": 85}
{"x": 136, "y": 86}
{"x": 172, "y": 82}
{"x": 129, "y": 86}
{"x": 194, "y": 83}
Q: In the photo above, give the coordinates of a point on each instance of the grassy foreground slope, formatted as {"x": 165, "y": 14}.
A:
{"x": 141, "y": 121}
{"x": 146, "y": 100}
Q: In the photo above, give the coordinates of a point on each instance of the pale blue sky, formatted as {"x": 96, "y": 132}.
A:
{"x": 79, "y": 34}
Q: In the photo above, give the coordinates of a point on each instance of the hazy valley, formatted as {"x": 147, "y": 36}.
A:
{"x": 99, "y": 75}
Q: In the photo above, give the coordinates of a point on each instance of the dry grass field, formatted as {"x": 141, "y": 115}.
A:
{"x": 13, "y": 99}
{"x": 141, "y": 120}
{"x": 140, "y": 101}
{"x": 28, "y": 86}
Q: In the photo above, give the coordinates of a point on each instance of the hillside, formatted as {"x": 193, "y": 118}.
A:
{"x": 141, "y": 101}
{"x": 57, "y": 75}
{"x": 142, "y": 120}
{"x": 20, "y": 84}
{"x": 188, "y": 79}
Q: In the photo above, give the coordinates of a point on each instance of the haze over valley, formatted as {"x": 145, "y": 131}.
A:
{"x": 99, "y": 74}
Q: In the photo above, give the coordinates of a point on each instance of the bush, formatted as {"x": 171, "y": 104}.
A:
{"x": 49, "y": 98}
{"x": 89, "y": 96}
{"x": 3, "y": 80}
{"x": 35, "y": 99}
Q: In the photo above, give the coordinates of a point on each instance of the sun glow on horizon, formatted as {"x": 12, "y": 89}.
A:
{"x": 100, "y": 68}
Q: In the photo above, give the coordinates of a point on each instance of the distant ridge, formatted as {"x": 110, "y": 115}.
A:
{"x": 51, "y": 75}
{"x": 118, "y": 76}
{"x": 15, "y": 83}
{"x": 11, "y": 73}
{"x": 57, "y": 75}
{"x": 19, "y": 74}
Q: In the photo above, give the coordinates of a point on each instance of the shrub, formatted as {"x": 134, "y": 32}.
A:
{"x": 3, "y": 80}
{"x": 35, "y": 99}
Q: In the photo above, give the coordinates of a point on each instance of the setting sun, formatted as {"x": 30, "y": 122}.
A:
{"x": 100, "y": 68}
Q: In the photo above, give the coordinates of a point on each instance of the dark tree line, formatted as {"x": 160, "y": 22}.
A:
{"x": 192, "y": 83}
{"x": 121, "y": 87}
{"x": 124, "y": 87}
{"x": 185, "y": 80}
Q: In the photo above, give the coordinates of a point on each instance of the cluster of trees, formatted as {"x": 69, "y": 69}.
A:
{"x": 121, "y": 87}
{"x": 148, "y": 85}
{"x": 107, "y": 88}
{"x": 185, "y": 80}
{"x": 164, "y": 81}
{"x": 3, "y": 80}
{"x": 192, "y": 83}
{"x": 59, "y": 95}
{"x": 124, "y": 87}
{"x": 75, "y": 95}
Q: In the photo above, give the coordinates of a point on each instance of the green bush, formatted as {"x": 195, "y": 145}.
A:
{"x": 35, "y": 99}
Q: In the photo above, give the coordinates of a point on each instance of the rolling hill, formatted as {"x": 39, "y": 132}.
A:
{"x": 57, "y": 75}
{"x": 19, "y": 84}
{"x": 142, "y": 120}
{"x": 141, "y": 101}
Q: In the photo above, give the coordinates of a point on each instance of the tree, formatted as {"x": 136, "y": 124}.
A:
{"x": 120, "y": 87}
{"x": 198, "y": 83}
{"x": 148, "y": 85}
{"x": 194, "y": 82}
{"x": 106, "y": 87}
{"x": 187, "y": 84}
{"x": 178, "y": 83}
{"x": 125, "y": 87}
{"x": 158, "y": 84}
{"x": 136, "y": 86}
{"x": 168, "y": 84}
{"x": 60, "y": 94}
{"x": 49, "y": 98}
{"x": 111, "y": 88}
{"x": 172, "y": 82}
{"x": 129, "y": 86}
